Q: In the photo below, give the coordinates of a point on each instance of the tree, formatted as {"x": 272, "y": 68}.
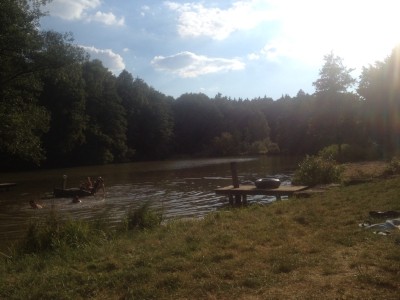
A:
{"x": 197, "y": 122}
{"x": 127, "y": 92}
{"x": 380, "y": 87}
{"x": 149, "y": 118}
{"x": 106, "y": 129}
{"x": 22, "y": 119}
{"x": 334, "y": 78}
{"x": 332, "y": 122}
{"x": 63, "y": 95}
{"x": 225, "y": 144}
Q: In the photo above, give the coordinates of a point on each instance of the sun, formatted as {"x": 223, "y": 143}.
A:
{"x": 361, "y": 32}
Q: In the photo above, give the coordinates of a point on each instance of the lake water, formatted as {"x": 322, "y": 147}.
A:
{"x": 181, "y": 188}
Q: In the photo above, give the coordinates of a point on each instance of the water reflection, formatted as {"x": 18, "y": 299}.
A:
{"x": 181, "y": 188}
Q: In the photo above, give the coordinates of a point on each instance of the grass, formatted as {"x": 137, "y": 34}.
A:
{"x": 298, "y": 249}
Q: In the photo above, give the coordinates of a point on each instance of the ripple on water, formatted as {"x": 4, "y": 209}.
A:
{"x": 181, "y": 189}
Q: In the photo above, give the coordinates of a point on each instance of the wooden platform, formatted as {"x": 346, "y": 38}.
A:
{"x": 240, "y": 193}
{"x": 6, "y": 186}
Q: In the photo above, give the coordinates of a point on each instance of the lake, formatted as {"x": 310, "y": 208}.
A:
{"x": 181, "y": 188}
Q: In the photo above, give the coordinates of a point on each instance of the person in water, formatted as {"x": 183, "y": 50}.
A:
{"x": 76, "y": 199}
{"x": 99, "y": 184}
{"x": 87, "y": 185}
{"x": 93, "y": 187}
{"x": 34, "y": 205}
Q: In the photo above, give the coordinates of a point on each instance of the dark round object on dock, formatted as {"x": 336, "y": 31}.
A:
{"x": 267, "y": 183}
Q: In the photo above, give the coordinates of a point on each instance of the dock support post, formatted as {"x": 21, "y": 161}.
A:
{"x": 64, "y": 181}
{"x": 231, "y": 202}
{"x": 235, "y": 182}
{"x": 235, "y": 179}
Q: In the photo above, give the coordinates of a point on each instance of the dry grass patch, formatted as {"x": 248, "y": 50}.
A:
{"x": 364, "y": 170}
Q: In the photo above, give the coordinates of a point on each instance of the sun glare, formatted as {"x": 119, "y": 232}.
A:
{"x": 361, "y": 32}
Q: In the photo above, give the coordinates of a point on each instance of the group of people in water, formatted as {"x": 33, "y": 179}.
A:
{"x": 93, "y": 187}
{"x": 84, "y": 185}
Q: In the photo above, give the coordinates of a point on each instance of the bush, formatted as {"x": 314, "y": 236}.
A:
{"x": 259, "y": 147}
{"x": 53, "y": 233}
{"x": 143, "y": 217}
{"x": 393, "y": 166}
{"x": 273, "y": 148}
{"x": 317, "y": 170}
{"x": 350, "y": 153}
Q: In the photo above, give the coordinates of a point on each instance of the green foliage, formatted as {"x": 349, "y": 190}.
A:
{"x": 21, "y": 126}
{"x": 225, "y": 145}
{"x": 106, "y": 129}
{"x": 143, "y": 217}
{"x": 259, "y": 147}
{"x": 348, "y": 153}
{"x": 197, "y": 123}
{"x": 317, "y": 170}
{"x": 380, "y": 88}
{"x": 54, "y": 233}
{"x": 149, "y": 118}
{"x": 393, "y": 167}
{"x": 334, "y": 76}
{"x": 22, "y": 120}
{"x": 273, "y": 148}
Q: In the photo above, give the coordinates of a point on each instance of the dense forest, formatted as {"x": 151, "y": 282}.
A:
{"x": 60, "y": 108}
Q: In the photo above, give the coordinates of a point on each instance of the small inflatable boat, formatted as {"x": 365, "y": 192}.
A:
{"x": 267, "y": 183}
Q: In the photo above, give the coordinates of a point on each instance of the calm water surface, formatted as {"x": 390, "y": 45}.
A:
{"x": 182, "y": 188}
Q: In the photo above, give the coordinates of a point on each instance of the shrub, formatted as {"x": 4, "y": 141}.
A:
{"x": 393, "y": 166}
{"x": 349, "y": 153}
{"x": 273, "y": 148}
{"x": 317, "y": 170}
{"x": 143, "y": 217}
{"x": 259, "y": 147}
{"x": 53, "y": 233}
{"x": 225, "y": 144}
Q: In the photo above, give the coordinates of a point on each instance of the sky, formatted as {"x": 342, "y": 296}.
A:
{"x": 241, "y": 49}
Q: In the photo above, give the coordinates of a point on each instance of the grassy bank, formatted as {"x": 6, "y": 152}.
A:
{"x": 298, "y": 249}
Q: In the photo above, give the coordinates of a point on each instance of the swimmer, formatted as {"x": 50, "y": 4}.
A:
{"x": 34, "y": 205}
{"x": 76, "y": 199}
{"x": 86, "y": 185}
{"x": 99, "y": 183}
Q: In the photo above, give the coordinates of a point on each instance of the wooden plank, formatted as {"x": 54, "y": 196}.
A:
{"x": 252, "y": 190}
{"x": 7, "y": 185}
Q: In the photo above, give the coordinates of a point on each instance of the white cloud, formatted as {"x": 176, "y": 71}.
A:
{"x": 78, "y": 10}
{"x": 197, "y": 20}
{"x": 274, "y": 51}
{"x": 187, "y": 64}
{"x": 71, "y": 9}
{"x": 113, "y": 61}
{"x": 106, "y": 18}
{"x": 144, "y": 10}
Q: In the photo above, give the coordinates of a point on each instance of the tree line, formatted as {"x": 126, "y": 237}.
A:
{"x": 60, "y": 108}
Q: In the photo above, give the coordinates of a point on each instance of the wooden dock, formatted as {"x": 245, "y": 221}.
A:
{"x": 238, "y": 195}
{"x": 6, "y": 186}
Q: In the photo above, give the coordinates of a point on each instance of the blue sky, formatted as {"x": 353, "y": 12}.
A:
{"x": 243, "y": 49}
